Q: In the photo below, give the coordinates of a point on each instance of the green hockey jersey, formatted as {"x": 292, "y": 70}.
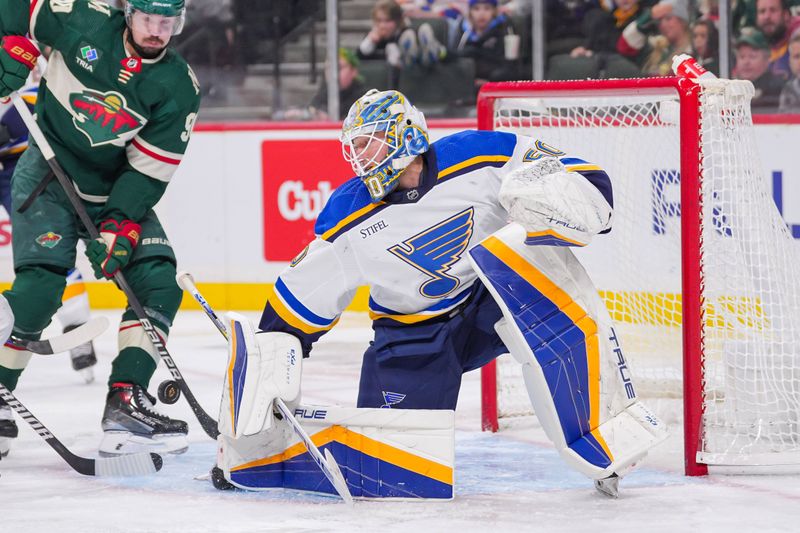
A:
{"x": 119, "y": 125}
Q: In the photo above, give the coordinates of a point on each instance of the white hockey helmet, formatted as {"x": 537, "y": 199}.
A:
{"x": 383, "y": 118}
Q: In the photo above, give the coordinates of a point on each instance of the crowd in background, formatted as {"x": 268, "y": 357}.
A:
{"x": 420, "y": 45}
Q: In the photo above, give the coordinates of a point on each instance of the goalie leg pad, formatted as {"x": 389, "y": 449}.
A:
{"x": 557, "y": 327}
{"x": 383, "y": 453}
{"x": 261, "y": 367}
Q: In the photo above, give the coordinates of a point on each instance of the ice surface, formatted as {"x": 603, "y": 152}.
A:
{"x": 510, "y": 481}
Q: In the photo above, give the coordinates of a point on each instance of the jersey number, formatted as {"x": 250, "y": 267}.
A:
{"x": 187, "y": 132}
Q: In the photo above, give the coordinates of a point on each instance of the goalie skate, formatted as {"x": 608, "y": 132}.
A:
{"x": 131, "y": 425}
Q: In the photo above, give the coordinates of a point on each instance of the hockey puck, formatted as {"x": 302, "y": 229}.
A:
{"x": 169, "y": 392}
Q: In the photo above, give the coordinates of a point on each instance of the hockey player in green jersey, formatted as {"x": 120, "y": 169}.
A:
{"x": 118, "y": 108}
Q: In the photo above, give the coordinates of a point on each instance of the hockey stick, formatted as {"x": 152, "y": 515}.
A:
{"x": 326, "y": 463}
{"x": 65, "y": 342}
{"x": 209, "y": 424}
{"x": 137, "y": 464}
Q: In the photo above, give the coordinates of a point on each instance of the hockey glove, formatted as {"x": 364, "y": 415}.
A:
{"x": 113, "y": 250}
{"x": 18, "y": 56}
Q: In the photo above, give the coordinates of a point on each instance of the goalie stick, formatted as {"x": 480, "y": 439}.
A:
{"x": 326, "y": 463}
{"x": 209, "y": 424}
{"x": 137, "y": 464}
{"x": 66, "y": 342}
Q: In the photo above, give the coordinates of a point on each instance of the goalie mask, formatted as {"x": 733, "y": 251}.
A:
{"x": 159, "y": 16}
{"x": 381, "y": 136}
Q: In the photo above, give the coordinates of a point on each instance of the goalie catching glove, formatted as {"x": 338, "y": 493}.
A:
{"x": 554, "y": 205}
{"x": 113, "y": 250}
{"x": 261, "y": 367}
{"x": 18, "y": 56}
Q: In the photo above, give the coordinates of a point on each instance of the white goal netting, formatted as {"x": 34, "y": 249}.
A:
{"x": 749, "y": 264}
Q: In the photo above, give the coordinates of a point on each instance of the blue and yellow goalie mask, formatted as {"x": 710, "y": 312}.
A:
{"x": 381, "y": 136}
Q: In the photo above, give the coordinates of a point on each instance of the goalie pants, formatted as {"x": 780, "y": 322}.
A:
{"x": 44, "y": 243}
{"x": 419, "y": 366}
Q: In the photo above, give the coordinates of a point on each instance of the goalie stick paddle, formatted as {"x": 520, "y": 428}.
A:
{"x": 326, "y": 463}
{"x": 137, "y": 464}
{"x": 66, "y": 342}
{"x": 209, "y": 424}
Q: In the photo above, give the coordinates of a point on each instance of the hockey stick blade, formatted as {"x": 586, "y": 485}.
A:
{"x": 326, "y": 463}
{"x": 139, "y": 464}
{"x": 66, "y": 342}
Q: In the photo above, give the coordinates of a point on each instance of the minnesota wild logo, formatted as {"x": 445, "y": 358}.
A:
{"x": 48, "y": 240}
{"x": 104, "y": 117}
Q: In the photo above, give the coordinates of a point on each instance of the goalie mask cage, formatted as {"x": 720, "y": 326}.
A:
{"x": 699, "y": 272}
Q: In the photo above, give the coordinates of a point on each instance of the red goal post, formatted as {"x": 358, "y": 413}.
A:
{"x": 643, "y": 132}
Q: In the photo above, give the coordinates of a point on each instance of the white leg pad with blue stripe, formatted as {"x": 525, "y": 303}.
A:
{"x": 556, "y": 325}
{"x": 382, "y": 453}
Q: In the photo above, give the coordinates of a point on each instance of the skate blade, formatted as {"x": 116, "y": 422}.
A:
{"x": 608, "y": 486}
{"x": 87, "y": 374}
{"x": 124, "y": 443}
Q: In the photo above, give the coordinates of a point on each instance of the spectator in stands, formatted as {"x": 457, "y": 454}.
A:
{"x": 564, "y": 21}
{"x": 351, "y": 88}
{"x": 656, "y": 36}
{"x": 789, "y": 101}
{"x": 389, "y": 27}
{"x": 482, "y": 36}
{"x": 434, "y": 8}
{"x": 705, "y": 44}
{"x": 603, "y": 27}
{"x": 777, "y": 24}
{"x": 743, "y": 15}
{"x": 752, "y": 63}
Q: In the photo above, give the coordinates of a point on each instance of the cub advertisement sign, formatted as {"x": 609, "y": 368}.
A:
{"x": 298, "y": 177}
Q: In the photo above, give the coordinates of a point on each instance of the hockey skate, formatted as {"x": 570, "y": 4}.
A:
{"x": 8, "y": 428}
{"x": 83, "y": 358}
{"x": 132, "y": 425}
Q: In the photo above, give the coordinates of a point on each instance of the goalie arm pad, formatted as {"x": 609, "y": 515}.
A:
{"x": 555, "y": 206}
{"x": 261, "y": 367}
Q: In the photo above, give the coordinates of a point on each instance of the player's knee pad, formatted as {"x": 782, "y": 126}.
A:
{"x": 261, "y": 368}
{"x": 35, "y": 296}
{"x": 555, "y": 324}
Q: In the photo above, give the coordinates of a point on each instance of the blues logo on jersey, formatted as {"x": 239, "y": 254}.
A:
{"x": 434, "y": 250}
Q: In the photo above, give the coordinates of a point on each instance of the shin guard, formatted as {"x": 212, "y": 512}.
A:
{"x": 382, "y": 453}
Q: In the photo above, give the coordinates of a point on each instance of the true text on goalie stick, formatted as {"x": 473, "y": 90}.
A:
{"x": 208, "y": 424}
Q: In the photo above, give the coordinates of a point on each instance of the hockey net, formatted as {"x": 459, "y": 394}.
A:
{"x": 699, "y": 267}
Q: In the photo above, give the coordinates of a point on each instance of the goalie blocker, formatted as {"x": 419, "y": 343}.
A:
{"x": 557, "y": 327}
{"x": 383, "y": 453}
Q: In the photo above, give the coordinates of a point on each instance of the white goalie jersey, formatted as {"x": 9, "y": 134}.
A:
{"x": 410, "y": 248}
